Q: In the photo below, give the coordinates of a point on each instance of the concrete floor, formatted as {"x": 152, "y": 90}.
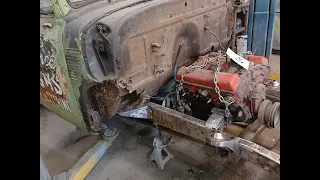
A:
{"x": 57, "y": 143}
{"x": 127, "y": 157}
{"x": 54, "y": 132}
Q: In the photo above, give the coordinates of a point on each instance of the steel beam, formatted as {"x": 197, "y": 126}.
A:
{"x": 202, "y": 131}
{"x": 260, "y": 26}
{"x": 179, "y": 122}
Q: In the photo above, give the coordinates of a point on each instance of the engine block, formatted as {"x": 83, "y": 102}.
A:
{"x": 198, "y": 94}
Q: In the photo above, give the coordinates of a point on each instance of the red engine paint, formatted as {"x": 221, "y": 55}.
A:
{"x": 201, "y": 77}
{"x": 258, "y": 59}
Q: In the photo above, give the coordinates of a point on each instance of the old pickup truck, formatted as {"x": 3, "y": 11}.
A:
{"x": 99, "y": 56}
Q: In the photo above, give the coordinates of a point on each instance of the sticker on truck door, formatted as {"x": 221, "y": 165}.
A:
{"x": 53, "y": 87}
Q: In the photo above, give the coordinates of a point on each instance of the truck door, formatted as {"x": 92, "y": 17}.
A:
{"x": 56, "y": 92}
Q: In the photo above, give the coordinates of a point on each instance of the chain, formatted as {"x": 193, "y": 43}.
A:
{"x": 217, "y": 89}
{"x": 192, "y": 68}
{"x": 247, "y": 53}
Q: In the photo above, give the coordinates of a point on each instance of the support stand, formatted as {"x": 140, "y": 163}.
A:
{"x": 160, "y": 154}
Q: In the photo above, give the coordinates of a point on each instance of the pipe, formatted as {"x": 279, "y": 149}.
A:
{"x": 175, "y": 71}
{"x": 87, "y": 162}
{"x": 44, "y": 174}
{"x": 85, "y": 168}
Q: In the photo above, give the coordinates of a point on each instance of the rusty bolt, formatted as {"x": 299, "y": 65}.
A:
{"x": 155, "y": 45}
{"x": 47, "y": 25}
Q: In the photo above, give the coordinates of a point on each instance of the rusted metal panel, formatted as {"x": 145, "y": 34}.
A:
{"x": 269, "y": 137}
{"x": 106, "y": 97}
{"x": 139, "y": 67}
{"x": 179, "y": 122}
{"x": 123, "y": 55}
{"x": 197, "y": 129}
{"x": 252, "y": 131}
{"x": 258, "y": 133}
{"x": 263, "y": 162}
{"x": 254, "y": 153}
{"x": 233, "y": 129}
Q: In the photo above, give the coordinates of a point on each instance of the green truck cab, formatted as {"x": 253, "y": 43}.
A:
{"x": 98, "y": 56}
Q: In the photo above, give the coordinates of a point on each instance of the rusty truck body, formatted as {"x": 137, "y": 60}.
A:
{"x": 97, "y": 57}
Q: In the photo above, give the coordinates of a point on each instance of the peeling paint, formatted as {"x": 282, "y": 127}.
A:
{"x": 79, "y": 64}
{"x": 61, "y": 6}
{"x": 56, "y": 89}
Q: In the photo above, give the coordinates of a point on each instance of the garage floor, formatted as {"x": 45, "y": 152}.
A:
{"x": 127, "y": 157}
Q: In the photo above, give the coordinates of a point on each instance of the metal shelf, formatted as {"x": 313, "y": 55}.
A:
{"x": 237, "y": 9}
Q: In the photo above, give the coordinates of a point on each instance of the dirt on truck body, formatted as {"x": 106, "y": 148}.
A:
{"x": 97, "y": 57}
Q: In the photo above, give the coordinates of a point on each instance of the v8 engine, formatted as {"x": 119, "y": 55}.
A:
{"x": 214, "y": 81}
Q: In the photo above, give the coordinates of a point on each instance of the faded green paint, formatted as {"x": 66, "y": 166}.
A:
{"x": 84, "y": 75}
{"x": 55, "y": 36}
{"x": 61, "y": 6}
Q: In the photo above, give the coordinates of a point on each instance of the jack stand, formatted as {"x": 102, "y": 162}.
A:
{"x": 160, "y": 153}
